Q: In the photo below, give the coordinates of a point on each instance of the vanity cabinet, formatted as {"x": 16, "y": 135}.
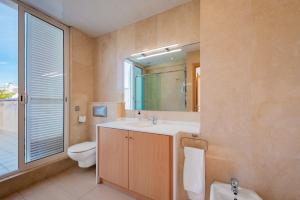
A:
{"x": 150, "y": 165}
{"x": 139, "y": 162}
{"x": 113, "y": 156}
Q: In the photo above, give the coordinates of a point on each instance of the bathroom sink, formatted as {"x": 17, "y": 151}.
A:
{"x": 222, "y": 191}
{"x": 140, "y": 124}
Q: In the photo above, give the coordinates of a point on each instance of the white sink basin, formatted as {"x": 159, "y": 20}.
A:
{"x": 222, "y": 191}
{"x": 140, "y": 124}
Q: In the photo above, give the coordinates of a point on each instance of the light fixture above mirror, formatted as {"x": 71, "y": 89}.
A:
{"x": 155, "y": 51}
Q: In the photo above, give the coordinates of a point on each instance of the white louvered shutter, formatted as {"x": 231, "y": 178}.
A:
{"x": 45, "y": 89}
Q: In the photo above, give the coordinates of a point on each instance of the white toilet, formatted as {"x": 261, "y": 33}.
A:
{"x": 84, "y": 153}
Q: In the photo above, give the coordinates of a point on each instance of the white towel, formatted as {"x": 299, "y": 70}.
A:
{"x": 194, "y": 171}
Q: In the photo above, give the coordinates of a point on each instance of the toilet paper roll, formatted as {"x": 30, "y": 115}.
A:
{"x": 82, "y": 118}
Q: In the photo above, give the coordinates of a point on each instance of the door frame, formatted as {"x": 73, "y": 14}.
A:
{"x": 65, "y": 29}
{"x": 195, "y": 87}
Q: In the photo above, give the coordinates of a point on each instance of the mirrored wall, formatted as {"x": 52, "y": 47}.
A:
{"x": 163, "y": 79}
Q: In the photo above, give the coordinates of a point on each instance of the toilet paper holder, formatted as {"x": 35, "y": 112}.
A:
{"x": 194, "y": 142}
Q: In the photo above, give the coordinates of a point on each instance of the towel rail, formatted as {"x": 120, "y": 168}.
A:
{"x": 195, "y": 142}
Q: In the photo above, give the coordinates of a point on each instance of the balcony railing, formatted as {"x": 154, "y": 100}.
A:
{"x": 9, "y": 115}
{"x": 8, "y": 135}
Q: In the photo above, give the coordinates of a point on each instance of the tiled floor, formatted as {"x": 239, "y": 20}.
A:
{"x": 8, "y": 151}
{"x": 73, "y": 184}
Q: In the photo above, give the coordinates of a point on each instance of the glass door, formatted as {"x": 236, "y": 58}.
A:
{"x": 8, "y": 87}
{"x": 44, "y": 88}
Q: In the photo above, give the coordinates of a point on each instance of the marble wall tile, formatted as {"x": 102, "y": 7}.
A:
{"x": 82, "y": 59}
{"x": 250, "y": 94}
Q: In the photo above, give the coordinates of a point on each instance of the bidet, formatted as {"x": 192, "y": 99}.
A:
{"x": 223, "y": 191}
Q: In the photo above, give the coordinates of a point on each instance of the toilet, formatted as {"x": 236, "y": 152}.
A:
{"x": 84, "y": 153}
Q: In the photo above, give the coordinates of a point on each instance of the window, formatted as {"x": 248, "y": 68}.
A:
{"x": 128, "y": 89}
{"x": 133, "y": 86}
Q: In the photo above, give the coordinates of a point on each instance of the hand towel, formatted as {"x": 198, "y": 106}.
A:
{"x": 194, "y": 171}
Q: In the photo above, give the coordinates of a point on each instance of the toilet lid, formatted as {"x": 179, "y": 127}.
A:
{"x": 81, "y": 147}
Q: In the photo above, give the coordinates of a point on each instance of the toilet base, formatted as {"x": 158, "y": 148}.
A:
{"x": 194, "y": 196}
{"x": 87, "y": 162}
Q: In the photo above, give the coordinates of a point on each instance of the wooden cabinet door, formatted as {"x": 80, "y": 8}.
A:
{"x": 113, "y": 156}
{"x": 150, "y": 165}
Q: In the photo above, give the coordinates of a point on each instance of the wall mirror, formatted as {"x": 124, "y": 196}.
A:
{"x": 163, "y": 79}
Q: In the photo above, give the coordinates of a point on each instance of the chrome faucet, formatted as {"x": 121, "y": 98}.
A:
{"x": 234, "y": 186}
{"x": 154, "y": 119}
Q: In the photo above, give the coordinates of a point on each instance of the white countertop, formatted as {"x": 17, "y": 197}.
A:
{"x": 163, "y": 127}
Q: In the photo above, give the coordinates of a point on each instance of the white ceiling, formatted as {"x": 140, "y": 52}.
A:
{"x": 96, "y": 17}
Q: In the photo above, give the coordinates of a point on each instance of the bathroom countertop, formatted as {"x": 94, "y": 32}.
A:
{"x": 163, "y": 127}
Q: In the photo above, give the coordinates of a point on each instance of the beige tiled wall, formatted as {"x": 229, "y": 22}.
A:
{"x": 179, "y": 25}
{"x": 82, "y": 51}
{"x": 250, "y": 94}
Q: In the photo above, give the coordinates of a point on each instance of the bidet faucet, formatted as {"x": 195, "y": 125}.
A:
{"x": 234, "y": 185}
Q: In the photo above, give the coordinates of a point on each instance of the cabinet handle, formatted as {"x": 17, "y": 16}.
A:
{"x": 126, "y": 137}
{"x": 131, "y": 138}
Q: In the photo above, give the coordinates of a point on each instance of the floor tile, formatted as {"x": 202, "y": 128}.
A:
{"x": 104, "y": 192}
{"x": 15, "y": 196}
{"x": 73, "y": 184}
{"x": 45, "y": 190}
{"x": 76, "y": 181}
